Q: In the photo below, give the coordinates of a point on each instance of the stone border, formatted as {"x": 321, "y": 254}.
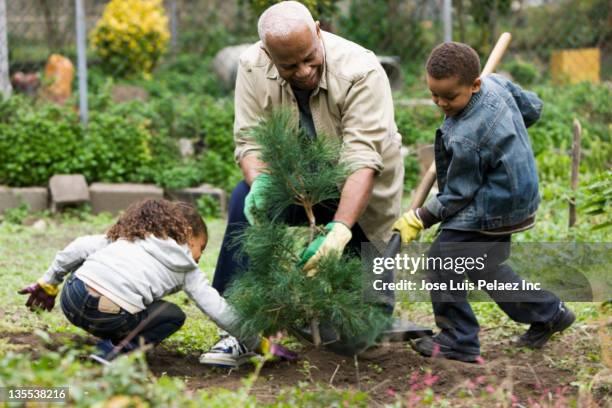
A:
{"x": 108, "y": 197}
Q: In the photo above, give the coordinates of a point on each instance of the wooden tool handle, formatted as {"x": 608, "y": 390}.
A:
{"x": 497, "y": 54}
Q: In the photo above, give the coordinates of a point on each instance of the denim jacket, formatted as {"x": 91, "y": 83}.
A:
{"x": 486, "y": 170}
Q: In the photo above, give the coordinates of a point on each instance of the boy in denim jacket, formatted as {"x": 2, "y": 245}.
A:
{"x": 488, "y": 190}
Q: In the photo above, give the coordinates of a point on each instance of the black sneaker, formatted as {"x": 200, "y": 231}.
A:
{"x": 539, "y": 333}
{"x": 428, "y": 347}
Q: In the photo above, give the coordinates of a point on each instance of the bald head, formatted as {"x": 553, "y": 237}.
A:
{"x": 292, "y": 40}
{"x": 284, "y": 19}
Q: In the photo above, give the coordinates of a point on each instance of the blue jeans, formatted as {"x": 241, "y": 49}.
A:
{"x": 454, "y": 316}
{"x": 158, "y": 321}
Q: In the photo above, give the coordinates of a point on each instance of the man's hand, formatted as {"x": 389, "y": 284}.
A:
{"x": 254, "y": 200}
{"x": 42, "y": 295}
{"x": 409, "y": 225}
{"x": 338, "y": 235}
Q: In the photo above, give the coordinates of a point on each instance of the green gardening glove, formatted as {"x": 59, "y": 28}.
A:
{"x": 254, "y": 200}
{"x": 338, "y": 235}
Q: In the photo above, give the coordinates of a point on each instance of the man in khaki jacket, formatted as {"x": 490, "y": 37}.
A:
{"x": 336, "y": 89}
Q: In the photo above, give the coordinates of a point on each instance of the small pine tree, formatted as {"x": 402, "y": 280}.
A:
{"x": 274, "y": 293}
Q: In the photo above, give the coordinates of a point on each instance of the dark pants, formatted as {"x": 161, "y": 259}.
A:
{"x": 157, "y": 322}
{"x": 454, "y": 316}
{"x": 229, "y": 264}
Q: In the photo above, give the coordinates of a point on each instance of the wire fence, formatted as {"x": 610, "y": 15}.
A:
{"x": 566, "y": 40}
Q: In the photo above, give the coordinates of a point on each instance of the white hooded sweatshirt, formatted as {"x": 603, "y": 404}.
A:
{"x": 134, "y": 274}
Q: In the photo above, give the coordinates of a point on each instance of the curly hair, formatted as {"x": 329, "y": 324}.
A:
{"x": 161, "y": 218}
{"x": 451, "y": 59}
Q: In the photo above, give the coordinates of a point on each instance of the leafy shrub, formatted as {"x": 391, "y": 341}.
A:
{"x": 36, "y": 144}
{"x": 385, "y": 27}
{"x": 131, "y": 36}
{"x": 185, "y": 74}
{"x": 219, "y": 170}
{"x": 564, "y": 24}
{"x": 318, "y": 8}
{"x": 208, "y": 207}
{"x": 552, "y": 134}
{"x": 205, "y": 40}
{"x": 418, "y": 124}
{"x": 599, "y": 199}
{"x": 523, "y": 72}
{"x": 115, "y": 148}
{"x": 412, "y": 172}
{"x": 178, "y": 175}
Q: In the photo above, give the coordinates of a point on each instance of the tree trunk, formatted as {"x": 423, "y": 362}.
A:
{"x": 50, "y": 25}
{"x": 461, "y": 15}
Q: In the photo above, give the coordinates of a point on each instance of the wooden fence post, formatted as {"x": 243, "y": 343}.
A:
{"x": 575, "y": 171}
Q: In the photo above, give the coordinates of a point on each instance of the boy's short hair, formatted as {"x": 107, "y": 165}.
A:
{"x": 454, "y": 59}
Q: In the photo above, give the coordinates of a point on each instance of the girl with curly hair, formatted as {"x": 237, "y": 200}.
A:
{"x": 118, "y": 280}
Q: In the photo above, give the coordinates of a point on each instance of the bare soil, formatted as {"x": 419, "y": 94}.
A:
{"x": 383, "y": 372}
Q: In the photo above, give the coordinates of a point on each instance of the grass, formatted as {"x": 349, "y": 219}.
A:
{"x": 26, "y": 253}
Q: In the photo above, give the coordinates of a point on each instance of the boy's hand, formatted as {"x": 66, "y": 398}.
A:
{"x": 409, "y": 225}
{"x": 42, "y": 295}
{"x": 338, "y": 235}
{"x": 254, "y": 199}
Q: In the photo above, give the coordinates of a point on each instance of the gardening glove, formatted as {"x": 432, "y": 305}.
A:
{"x": 276, "y": 350}
{"x": 254, "y": 200}
{"x": 42, "y": 295}
{"x": 409, "y": 225}
{"x": 338, "y": 235}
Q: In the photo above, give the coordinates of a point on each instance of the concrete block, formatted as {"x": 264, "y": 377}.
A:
{"x": 35, "y": 197}
{"x": 68, "y": 189}
{"x": 191, "y": 195}
{"x": 7, "y": 199}
{"x": 107, "y": 197}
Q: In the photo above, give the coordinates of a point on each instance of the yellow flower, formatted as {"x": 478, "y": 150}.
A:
{"x": 132, "y": 31}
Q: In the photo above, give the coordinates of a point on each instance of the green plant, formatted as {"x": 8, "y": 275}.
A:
{"x": 131, "y": 36}
{"x": 387, "y": 27}
{"x": 36, "y": 143}
{"x": 115, "y": 148}
{"x": 566, "y": 24}
{"x": 523, "y": 72}
{"x": 321, "y": 396}
{"x": 319, "y": 8}
{"x": 412, "y": 172}
{"x": 179, "y": 175}
{"x": 15, "y": 215}
{"x": 599, "y": 200}
{"x": 208, "y": 207}
{"x": 418, "y": 124}
{"x": 274, "y": 293}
